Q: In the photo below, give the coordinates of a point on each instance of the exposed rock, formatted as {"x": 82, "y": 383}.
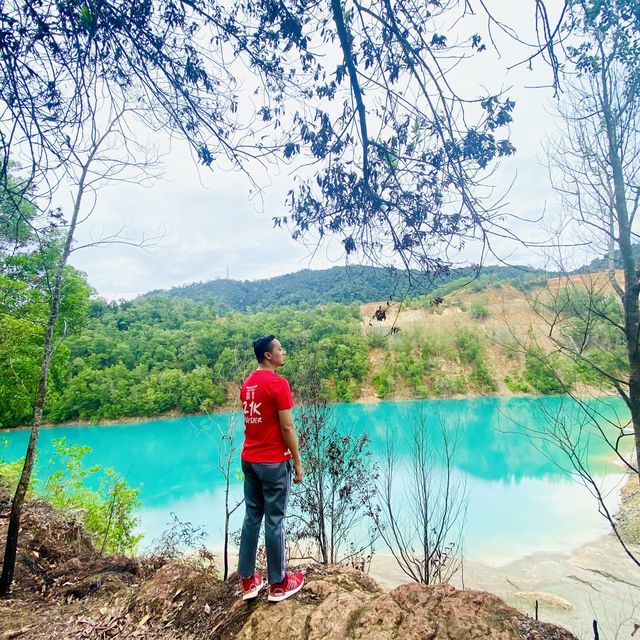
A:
{"x": 344, "y": 603}
{"x": 543, "y": 598}
{"x": 628, "y": 516}
{"x": 67, "y": 589}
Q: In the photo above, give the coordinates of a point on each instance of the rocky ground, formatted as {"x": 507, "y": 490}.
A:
{"x": 596, "y": 581}
{"x": 65, "y": 589}
{"x": 629, "y": 516}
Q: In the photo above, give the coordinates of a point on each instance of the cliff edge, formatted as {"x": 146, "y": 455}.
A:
{"x": 64, "y": 588}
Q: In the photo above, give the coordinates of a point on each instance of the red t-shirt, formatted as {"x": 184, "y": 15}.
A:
{"x": 263, "y": 394}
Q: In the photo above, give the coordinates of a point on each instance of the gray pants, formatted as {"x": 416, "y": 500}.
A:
{"x": 266, "y": 493}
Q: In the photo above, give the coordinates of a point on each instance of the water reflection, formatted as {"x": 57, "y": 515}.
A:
{"x": 520, "y": 499}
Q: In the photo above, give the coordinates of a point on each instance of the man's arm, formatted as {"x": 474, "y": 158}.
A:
{"x": 289, "y": 436}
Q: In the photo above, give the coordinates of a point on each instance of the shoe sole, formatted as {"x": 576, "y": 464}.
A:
{"x": 284, "y": 596}
{"x": 253, "y": 594}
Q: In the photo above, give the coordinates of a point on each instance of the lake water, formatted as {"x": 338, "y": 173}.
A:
{"x": 519, "y": 499}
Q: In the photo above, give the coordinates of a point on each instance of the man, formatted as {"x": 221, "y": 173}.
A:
{"x": 270, "y": 444}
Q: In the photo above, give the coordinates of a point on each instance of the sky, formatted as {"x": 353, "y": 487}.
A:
{"x": 202, "y": 224}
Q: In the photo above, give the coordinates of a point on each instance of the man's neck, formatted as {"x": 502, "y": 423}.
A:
{"x": 266, "y": 366}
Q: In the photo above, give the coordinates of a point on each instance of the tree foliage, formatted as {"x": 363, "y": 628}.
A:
{"x": 161, "y": 354}
{"x": 29, "y": 254}
{"x": 399, "y": 149}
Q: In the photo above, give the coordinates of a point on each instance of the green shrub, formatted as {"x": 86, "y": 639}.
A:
{"x": 479, "y": 284}
{"x": 482, "y": 378}
{"x": 541, "y": 371}
{"x": 450, "y": 385}
{"x": 383, "y": 382}
{"x": 343, "y": 390}
{"x": 479, "y": 309}
{"x": 107, "y": 512}
{"x": 614, "y": 363}
{"x": 516, "y": 384}
{"x": 471, "y": 351}
{"x": 468, "y": 345}
{"x": 10, "y": 475}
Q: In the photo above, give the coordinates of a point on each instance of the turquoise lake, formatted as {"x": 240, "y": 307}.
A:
{"x": 519, "y": 499}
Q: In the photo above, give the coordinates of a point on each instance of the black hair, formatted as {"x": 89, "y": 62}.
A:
{"x": 262, "y": 345}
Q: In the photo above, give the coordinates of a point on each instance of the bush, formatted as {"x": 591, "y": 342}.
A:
{"x": 178, "y": 538}
{"x": 516, "y": 384}
{"x": 541, "y": 372}
{"x": 479, "y": 284}
{"x": 482, "y": 378}
{"x": 383, "y": 382}
{"x": 479, "y": 309}
{"x": 471, "y": 351}
{"x": 107, "y": 512}
{"x": 10, "y": 475}
{"x": 343, "y": 390}
{"x": 450, "y": 385}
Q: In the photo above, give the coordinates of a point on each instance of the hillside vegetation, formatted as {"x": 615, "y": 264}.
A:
{"x": 170, "y": 354}
{"x": 494, "y": 338}
{"x": 338, "y": 284}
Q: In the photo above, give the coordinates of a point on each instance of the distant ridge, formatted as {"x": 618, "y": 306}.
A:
{"x": 600, "y": 264}
{"x": 345, "y": 284}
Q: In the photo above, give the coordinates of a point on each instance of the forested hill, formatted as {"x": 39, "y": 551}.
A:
{"x": 600, "y": 264}
{"x": 338, "y": 284}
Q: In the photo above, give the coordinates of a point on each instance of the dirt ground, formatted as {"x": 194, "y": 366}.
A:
{"x": 65, "y": 589}
{"x": 510, "y": 318}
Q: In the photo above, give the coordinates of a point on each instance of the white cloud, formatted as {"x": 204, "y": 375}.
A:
{"x": 212, "y": 223}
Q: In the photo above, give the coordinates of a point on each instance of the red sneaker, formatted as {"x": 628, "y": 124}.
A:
{"x": 291, "y": 584}
{"x": 251, "y": 587}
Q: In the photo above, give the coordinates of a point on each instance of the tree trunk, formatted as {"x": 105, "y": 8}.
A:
{"x": 226, "y": 528}
{"x": 11, "y": 547}
{"x": 630, "y": 299}
{"x": 322, "y": 524}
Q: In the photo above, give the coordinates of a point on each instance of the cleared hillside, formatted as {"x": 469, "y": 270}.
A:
{"x": 475, "y": 342}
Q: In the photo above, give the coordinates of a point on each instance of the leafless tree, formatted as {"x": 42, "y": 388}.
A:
{"x": 571, "y": 428}
{"x": 227, "y": 447}
{"x": 422, "y": 504}
{"x": 329, "y": 508}
{"x": 226, "y": 442}
{"x": 593, "y": 320}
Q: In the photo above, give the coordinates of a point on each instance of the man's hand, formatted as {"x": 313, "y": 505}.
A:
{"x": 297, "y": 467}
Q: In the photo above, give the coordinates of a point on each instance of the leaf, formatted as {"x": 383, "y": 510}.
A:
{"x": 144, "y": 620}
{"x": 86, "y": 21}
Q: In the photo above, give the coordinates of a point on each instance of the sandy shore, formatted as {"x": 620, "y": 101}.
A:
{"x": 597, "y": 581}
